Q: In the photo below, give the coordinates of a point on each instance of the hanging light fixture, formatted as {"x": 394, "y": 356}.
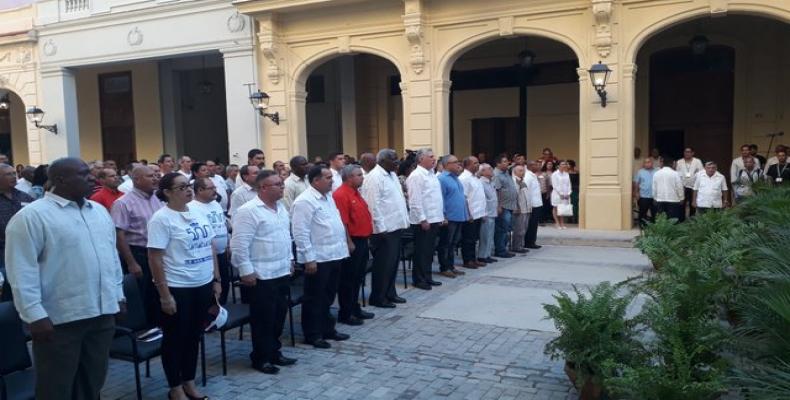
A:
{"x": 205, "y": 86}
{"x": 5, "y": 102}
{"x": 526, "y": 59}
{"x": 260, "y": 102}
{"x": 699, "y": 45}
{"x": 36, "y": 115}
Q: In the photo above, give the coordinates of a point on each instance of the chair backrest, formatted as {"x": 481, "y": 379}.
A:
{"x": 135, "y": 311}
{"x": 13, "y": 345}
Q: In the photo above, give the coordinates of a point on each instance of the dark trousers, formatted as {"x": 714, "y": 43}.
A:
{"x": 502, "y": 226}
{"x": 181, "y": 332}
{"x": 352, "y": 274}
{"x": 646, "y": 205}
{"x": 146, "y": 285}
{"x": 470, "y": 233}
{"x": 705, "y": 210}
{"x": 671, "y": 209}
{"x": 73, "y": 365}
{"x": 386, "y": 254}
{"x": 688, "y": 192}
{"x": 449, "y": 237}
{"x": 225, "y": 275}
{"x": 320, "y": 289}
{"x": 424, "y": 246}
{"x": 268, "y": 307}
{"x": 531, "y": 237}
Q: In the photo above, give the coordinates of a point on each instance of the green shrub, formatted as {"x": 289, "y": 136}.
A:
{"x": 593, "y": 330}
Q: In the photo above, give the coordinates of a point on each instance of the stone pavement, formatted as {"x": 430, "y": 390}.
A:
{"x": 480, "y": 336}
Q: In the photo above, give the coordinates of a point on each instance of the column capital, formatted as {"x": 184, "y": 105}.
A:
{"x": 629, "y": 70}
{"x": 55, "y": 72}
{"x": 240, "y": 51}
{"x": 442, "y": 86}
{"x": 299, "y": 96}
{"x": 584, "y": 74}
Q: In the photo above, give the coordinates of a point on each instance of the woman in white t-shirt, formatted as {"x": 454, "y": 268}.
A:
{"x": 184, "y": 266}
{"x": 561, "y": 192}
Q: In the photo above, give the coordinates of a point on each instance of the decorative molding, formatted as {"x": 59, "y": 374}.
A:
{"x": 268, "y": 45}
{"x": 236, "y": 22}
{"x": 3, "y": 81}
{"x": 506, "y": 25}
{"x": 602, "y": 10}
{"x": 50, "y": 48}
{"x": 442, "y": 85}
{"x": 404, "y": 88}
{"x": 344, "y": 44}
{"x": 134, "y": 37}
{"x": 629, "y": 71}
{"x": 718, "y": 8}
{"x": 413, "y": 24}
{"x": 584, "y": 74}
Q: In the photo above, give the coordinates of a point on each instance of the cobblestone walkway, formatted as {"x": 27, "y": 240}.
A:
{"x": 400, "y": 354}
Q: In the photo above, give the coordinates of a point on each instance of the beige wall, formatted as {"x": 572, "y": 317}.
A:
{"x": 553, "y": 120}
{"x": 147, "y": 114}
{"x": 473, "y": 104}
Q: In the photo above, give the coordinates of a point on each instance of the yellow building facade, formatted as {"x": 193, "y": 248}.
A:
{"x": 470, "y": 76}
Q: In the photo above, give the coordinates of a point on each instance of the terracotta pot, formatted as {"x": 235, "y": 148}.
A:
{"x": 589, "y": 391}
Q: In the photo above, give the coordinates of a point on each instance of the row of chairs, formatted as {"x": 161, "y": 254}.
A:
{"x": 17, "y": 376}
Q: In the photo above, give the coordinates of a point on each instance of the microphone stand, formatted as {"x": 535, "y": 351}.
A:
{"x": 770, "y": 145}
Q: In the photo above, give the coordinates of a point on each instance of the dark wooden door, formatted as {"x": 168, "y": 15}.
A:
{"x": 116, "y": 110}
{"x": 693, "y": 94}
{"x": 495, "y": 136}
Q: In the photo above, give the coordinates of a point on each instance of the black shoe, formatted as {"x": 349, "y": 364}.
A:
{"x": 266, "y": 368}
{"x": 491, "y": 260}
{"x": 534, "y": 246}
{"x": 352, "y": 320}
{"x": 190, "y": 397}
{"x": 398, "y": 300}
{"x": 520, "y": 251}
{"x": 337, "y": 336}
{"x": 422, "y": 285}
{"x": 505, "y": 255}
{"x": 434, "y": 283}
{"x": 385, "y": 304}
{"x": 284, "y": 361}
{"x": 364, "y": 315}
{"x": 318, "y": 343}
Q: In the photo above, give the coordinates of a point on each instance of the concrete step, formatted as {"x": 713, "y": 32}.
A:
{"x": 573, "y": 236}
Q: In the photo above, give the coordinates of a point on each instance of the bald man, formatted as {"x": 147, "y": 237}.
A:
{"x": 69, "y": 302}
{"x": 131, "y": 214}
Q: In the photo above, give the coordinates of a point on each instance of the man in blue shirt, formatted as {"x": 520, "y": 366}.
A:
{"x": 643, "y": 192}
{"x": 455, "y": 215}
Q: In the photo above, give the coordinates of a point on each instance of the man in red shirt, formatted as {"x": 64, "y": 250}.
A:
{"x": 359, "y": 226}
{"x": 108, "y": 179}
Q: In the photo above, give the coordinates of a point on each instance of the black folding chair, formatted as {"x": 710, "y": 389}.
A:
{"x": 295, "y": 292}
{"x": 17, "y": 378}
{"x": 406, "y": 252}
{"x": 238, "y": 316}
{"x": 126, "y": 346}
{"x": 6, "y": 290}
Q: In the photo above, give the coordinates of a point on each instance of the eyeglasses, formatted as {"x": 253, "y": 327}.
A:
{"x": 181, "y": 188}
{"x": 210, "y": 188}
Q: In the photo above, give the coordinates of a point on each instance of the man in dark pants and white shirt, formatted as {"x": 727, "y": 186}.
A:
{"x": 261, "y": 250}
{"x": 356, "y": 218}
{"x": 67, "y": 282}
{"x": 426, "y": 214}
{"x": 321, "y": 245}
{"x": 531, "y": 178}
{"x": 668, "y": 190}
{"x": 384, "y": 195}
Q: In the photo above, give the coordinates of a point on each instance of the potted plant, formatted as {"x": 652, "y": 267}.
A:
{"x": 593, "y": 331}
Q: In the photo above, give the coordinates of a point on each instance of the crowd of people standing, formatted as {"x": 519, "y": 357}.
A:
{"x": 187, "y": 229}
{"x": 687, "y": 186}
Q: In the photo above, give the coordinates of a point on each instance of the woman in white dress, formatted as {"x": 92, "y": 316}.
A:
{"x": 561, "y": 192}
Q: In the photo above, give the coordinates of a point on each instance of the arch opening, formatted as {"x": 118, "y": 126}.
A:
{"x": 13, "y": 127}
{"x": 515, "y": 95}
{"x": 713, "y": 84}
{"x": 353, "y": 105}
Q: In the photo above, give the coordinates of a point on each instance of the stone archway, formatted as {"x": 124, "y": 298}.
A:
{"x": 18, "y": 139}
{"x": 352, "y": 141}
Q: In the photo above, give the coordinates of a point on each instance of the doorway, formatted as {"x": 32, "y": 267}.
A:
{"x": 116, "y": 110}
{"x": 495, "y": 136}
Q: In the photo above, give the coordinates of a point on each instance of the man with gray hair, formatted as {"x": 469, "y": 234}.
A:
{"x": 710, "y": 189}
{"x": 384, "y": 195}
{"x": 486, "y": 247}
{"x": 367, "y": 161}
{"x": 426, "y": 214}
{"x": 455, "y": 213}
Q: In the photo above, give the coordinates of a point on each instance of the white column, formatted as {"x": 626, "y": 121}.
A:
{"x": 59, "y": 103}
{"x": 243, "y": 127}
{"x": 348, "y": 105}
